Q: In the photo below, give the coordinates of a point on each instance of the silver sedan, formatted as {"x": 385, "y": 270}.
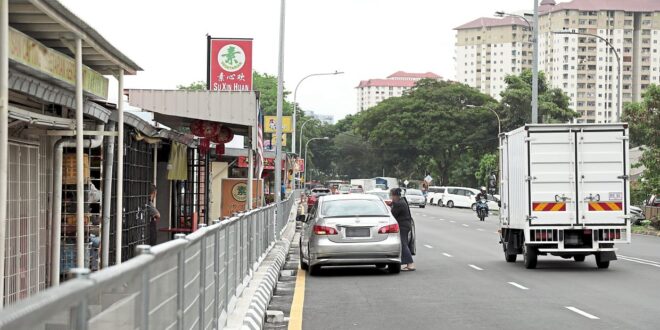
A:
{"x": 354, "y": 229}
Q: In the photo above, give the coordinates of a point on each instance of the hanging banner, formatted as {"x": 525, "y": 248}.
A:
{"x": 270, "y": 123}
{"x": 229, "y": 64}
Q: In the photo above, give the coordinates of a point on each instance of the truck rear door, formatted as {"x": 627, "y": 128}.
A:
{"x": 551, "y": 177}
{"x": 601, "y": 170}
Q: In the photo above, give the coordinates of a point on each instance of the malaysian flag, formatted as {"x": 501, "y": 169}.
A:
{"x": 260, "y": 144}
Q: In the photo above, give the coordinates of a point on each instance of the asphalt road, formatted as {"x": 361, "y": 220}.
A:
{"x": 463, "y": 282}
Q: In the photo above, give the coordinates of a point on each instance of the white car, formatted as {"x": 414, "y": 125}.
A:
{"x": 459, "y": 197}
{"x": 434, "y": 195}
{"x": 493, "y": 203}
{"x": 415, "y": 197}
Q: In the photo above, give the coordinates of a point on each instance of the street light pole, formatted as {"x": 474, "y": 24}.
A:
{"x": 535, "y": 59}
{"x": 499, "y": 122}
{"x": 306, "y": 145}
{"x": 295, "y": 103}
{"x": 280, "y": 103}
{"x": 302, "y": 127}
{"x": 618, "y": 66}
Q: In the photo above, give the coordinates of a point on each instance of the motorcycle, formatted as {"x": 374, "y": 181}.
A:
{"x": 482, "y": 209}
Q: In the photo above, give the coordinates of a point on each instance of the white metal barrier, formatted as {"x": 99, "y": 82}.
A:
{"x": 191, "y": 282}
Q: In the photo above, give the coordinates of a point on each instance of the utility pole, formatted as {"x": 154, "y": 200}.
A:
{"x": 280, "y": 103}
{"x": 535, "y": 66}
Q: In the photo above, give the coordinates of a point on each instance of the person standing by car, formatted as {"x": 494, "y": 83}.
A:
{"x": 153, "y": 216}
{"x": 401, "y": 212}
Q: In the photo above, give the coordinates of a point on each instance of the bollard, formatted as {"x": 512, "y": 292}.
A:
{"x": 81, "y": 311}
{"x": 180, "y": 273}
{"x": 140, "y": 250}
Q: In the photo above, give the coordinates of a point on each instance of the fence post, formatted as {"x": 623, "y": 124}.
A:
{"x": 81, "y": 310}
{"x": 226, "y": 229}
{"x": 180, "y": 283}
{"x": 216, "y": 275}
{"x": 144, "y": 324}
{"x": 202, "y": 276}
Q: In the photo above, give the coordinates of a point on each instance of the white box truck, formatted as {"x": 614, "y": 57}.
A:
{"x": 564, "y": 191}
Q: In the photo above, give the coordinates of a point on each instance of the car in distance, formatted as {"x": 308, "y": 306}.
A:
{"x": 314, "y": 196}
{"x": 415, "y": 197}
{"x": 459, "y": 197}
{"x": 353, "y": 229}
{"x": 344, "y": 189}
{"x": 383, "y": 194}
{"x": 434, "y": 195}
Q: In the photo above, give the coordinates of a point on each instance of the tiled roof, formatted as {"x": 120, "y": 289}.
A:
{"x": 386, "y": 83}
{"x": 403, "y": 74}
{"x": 491, "y": 22}
{"x": 597, "y": 5}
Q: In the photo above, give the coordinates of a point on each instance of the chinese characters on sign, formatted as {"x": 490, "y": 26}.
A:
{"x": 230, "y": 62}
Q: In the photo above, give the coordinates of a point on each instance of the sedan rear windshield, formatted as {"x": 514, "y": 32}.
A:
{"x": 354, "y": 207}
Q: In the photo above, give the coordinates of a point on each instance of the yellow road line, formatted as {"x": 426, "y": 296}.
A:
{"x": 296, "y": 317}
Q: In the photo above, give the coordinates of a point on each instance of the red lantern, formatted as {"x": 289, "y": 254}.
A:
{"x": 205, "y": 129}
{"x": 204, "y": 146}
{"x": 224, "y": 135}
{"x": 220, "y": 149}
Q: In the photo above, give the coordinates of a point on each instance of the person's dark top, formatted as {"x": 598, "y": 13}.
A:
{"x": 479, "y": 195}
{"x": 401, "y": 213}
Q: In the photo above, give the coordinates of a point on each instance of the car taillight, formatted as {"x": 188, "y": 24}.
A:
{"x": 324, "y": 230}
{"x": 391, "y": 229}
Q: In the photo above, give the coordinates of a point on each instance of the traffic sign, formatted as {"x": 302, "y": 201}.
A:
{"x": 428, "y": 179}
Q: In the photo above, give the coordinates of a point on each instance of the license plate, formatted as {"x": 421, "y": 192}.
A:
{"x": 358, "y": 232}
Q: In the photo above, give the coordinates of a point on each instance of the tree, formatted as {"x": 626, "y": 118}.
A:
{"x": 266, "y": 85}
{"x": 429, "y": 130}
{"x": 194, "y": 86}
{"x": 515, "y": 107}
{"x": 643, "y": 120}
{"x": 487, "y": 165}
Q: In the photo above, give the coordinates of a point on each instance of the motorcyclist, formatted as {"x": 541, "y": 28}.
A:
{"x": 482, "y": 194}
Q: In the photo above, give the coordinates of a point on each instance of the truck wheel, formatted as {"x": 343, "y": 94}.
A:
{"x": 530, "y": 256}
{"x": 579, "y": 258}
{"x": 450, "y": 204}
{"x": 600, "y": 263}
{"x": 508, "y": 256}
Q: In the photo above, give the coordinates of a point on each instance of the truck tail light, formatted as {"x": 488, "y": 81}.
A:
{"x": 391, "y": 229}
{"x": 324, "y": 230}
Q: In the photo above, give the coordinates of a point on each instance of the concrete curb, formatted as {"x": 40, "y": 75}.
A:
{"x": 256, "y": 315}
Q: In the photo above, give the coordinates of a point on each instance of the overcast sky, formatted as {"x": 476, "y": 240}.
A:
{"x": 364, "y": 38}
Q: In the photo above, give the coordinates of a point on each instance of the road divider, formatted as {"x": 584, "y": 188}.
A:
{"x": 583, "y": 313}
{"x": 518, "y": 286}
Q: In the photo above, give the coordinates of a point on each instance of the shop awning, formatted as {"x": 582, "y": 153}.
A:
{"x": 179, "y": 108}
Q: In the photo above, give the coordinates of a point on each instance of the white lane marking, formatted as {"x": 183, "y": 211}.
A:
{"x": 583, "y": 313}
{"x": 640, "y": 259}
{"x": 518, "y": 286}
{"x": 441, "y": 219}
{"x": 475, "y": 267}
{"x": 644, "y": 262}
{"x": 464, "y": 225}
{"x": 447, "y": 255}
{"x": 428, "y": 246}
{"x": 480, "y": 229}
{"x": 452, "y": 221}
{"x": 423, "y": 215}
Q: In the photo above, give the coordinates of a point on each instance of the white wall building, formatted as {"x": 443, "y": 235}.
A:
{"x": 373, "y": 91}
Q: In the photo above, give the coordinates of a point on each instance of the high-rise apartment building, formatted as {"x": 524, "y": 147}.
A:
{"x": 583, "y": 66}
{"x": 373, "y": 91}
{"x": 489, "y": 49}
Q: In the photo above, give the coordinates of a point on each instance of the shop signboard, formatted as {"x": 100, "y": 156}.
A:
{"x": 229, "y": 64}
{"x": 273, "y": 140}
{"x": 269, "y": 163}
{"x": 31, "y": 53}
{"x": 234, "y": 195}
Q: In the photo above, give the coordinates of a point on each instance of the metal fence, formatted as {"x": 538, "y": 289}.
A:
{"x": 191, "y": 282}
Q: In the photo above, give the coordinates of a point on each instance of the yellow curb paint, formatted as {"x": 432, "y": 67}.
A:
{"x": 296, "y": 317}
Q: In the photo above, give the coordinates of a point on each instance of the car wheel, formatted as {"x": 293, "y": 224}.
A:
{"x": 530, "y": 256}
{"x": 431, "y": 201}
{"x": 303, "y": 264}
{"x": 314, "y": 270}
{"x": 450, "y": 204}
{"x": 579, "y": 258}
{"x": 474, "y": 207}
{"x": 394, "y": 268}
{"x": 422, "y": 206}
